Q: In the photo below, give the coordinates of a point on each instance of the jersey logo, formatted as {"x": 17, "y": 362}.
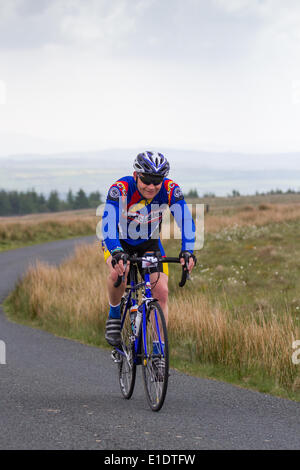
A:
{"x": 140, "y": 214}
{"x": 178, "y": 195}
{"x": 114, "y": 193}
{"x": 118, "y": 189}
{"x": 173, "y": 189}
{"x": 123, "y": 187}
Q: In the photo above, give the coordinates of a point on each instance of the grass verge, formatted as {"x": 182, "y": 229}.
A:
{"x": 26, "y": 232}
{"x": 216, "y": 328}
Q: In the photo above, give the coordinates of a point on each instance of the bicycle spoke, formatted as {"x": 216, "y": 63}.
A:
{"x": 127, "y": 368}
{"x": 156, "y": 363}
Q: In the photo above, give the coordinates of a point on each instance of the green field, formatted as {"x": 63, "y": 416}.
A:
{"x": 235, "y": 321}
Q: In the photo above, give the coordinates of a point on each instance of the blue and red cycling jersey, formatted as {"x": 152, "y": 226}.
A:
{"x": 134, "y": 219}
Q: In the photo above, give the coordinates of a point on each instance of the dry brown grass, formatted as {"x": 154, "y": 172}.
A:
{"x": 244, "y": 343}
{"x": 271, "y": 213}
{"x": 243, "y": 215}
{"x": 73, "y": 294}
{"x": 44, "y": 229}
{"x": 72, "y": 299}
{"x": 66, "y": 216}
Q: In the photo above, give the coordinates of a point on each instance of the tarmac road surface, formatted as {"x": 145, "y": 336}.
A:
{"x": 60, "y": 394}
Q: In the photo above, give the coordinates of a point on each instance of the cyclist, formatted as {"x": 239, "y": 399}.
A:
{"x": 131, "y": 224}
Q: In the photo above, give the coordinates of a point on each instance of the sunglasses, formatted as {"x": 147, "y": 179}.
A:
{"x": 151, "y": 179}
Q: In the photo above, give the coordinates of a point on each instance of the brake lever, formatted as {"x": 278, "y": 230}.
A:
{"x": 187, "y": 269}
{"x": 125, "y": 264}
{"x": 120, "y": 278}
{"x": 185, "y": 273}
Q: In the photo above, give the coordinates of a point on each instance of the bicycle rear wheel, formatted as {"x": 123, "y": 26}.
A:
{"x": 127, "y": 367}
{"x": 155, "y": 364}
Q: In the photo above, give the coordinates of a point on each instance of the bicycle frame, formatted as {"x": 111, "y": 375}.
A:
{"x": 134, "y": 286}
{"x": 139, "y": 346}
{"x": 148, "y": 298}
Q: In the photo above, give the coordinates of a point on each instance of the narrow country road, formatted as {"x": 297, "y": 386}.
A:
{"x": 60, "y": 394}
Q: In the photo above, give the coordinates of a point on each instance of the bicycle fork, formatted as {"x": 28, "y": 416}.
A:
{"x": 117, "y": 353}
{"x": 148, "y": 299}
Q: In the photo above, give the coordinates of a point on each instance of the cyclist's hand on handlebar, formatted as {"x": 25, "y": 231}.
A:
{"x": 189, "y": 258}
{"x": 119, "y": 260}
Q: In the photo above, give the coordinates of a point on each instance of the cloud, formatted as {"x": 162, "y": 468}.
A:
{"x": 102, "y": 25}
{"x": 189, "y": 30}
{"x": 123, "y": 72}
{"x": 92, "y": 23}
{"x": 280, "y": 17}
{"x": 214, "y": 30}
{"x": 25, "y": 24}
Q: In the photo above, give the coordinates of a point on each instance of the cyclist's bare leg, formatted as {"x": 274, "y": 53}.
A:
{"x": 114, "y": 293}
{"x": 160, "y": 291}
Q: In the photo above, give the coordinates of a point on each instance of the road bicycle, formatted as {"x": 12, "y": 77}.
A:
{"x": 144, "y": 337}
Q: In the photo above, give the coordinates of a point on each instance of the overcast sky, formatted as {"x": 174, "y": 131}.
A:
{"x": 189, "y": 74}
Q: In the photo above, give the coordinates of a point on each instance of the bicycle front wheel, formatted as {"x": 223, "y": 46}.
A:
{"x": 127, "y": 367}
{"x": 155, "y": 363}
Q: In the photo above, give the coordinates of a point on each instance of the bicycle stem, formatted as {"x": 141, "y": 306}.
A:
{"x": 184, "y": 276}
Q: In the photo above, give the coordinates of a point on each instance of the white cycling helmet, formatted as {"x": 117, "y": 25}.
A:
{"x": 152, "y": 163}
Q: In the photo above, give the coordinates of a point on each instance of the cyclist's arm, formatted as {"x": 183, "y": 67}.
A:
{"x": 110, "y": 223}
{"x": 184, "y": 219}
{"x": 111, "y": 219}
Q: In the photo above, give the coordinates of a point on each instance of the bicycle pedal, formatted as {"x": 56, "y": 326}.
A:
{"x": 116, "y": 357}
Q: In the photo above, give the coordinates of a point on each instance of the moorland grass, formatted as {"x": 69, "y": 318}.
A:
{"x": 235, "y": 321}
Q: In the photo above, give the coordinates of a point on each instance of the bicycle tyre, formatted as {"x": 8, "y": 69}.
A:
{"x": 127, "y": 367}
{"x": 155, "y": 388}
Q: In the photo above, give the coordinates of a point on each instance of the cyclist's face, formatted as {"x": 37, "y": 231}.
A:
{"x": 148, "y": 191}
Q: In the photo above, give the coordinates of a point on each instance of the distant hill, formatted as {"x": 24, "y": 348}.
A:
{"x": 215, "y": 172}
